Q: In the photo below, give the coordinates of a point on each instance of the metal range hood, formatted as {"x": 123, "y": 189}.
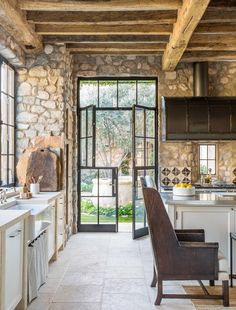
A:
{"x": 200, "y": 79}
{"x": 200, "y": 117}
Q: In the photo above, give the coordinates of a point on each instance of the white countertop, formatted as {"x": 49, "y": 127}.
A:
{"x": 10, "y": 217}
{"x": 41, "y": 198}
{"x": 202, "y": 199}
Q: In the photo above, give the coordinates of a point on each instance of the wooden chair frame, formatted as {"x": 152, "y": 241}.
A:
{"x": 180, "y": 254}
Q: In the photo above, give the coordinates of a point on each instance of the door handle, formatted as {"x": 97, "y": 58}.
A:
{"x": 114, "y": 187}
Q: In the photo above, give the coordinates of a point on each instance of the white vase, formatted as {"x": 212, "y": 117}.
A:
{"x": 34, "y": 188}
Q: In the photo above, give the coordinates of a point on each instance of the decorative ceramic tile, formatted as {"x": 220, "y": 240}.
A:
{"x": 175, "y": 175}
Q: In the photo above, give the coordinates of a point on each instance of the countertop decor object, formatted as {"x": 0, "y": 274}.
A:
{"x": 37, "y": 162}
{"x": 179, "y": 191}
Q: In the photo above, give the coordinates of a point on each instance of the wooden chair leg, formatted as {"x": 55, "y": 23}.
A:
{"x": 154, "y": 279}
{"x": 212, "y": 283}
{"x": 225, "y": 286}
{"x": 159, "y": 292}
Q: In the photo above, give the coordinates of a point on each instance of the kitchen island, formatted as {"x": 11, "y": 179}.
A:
{"x": 213, "y": 212}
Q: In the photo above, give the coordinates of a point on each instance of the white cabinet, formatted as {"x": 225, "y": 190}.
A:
{"x": 217, "y": 222}
{"x": 56, "y": 230}
{"x": 51, "y": 231}
{"x": 14, "y": 238}
{"x": 60, "y": 223}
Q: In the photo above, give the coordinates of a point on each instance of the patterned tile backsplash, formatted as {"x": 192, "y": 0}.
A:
{"x": 234, "y": 176}
{"x": 175, "y": 175}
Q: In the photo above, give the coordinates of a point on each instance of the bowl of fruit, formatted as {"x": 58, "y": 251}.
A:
{"x": 183, "y": 189}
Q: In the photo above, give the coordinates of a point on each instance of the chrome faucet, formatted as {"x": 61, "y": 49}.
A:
{"x": 3, "y": 196}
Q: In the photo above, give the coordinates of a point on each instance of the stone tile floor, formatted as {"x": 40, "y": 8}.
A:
{"x": 105, "y": 271}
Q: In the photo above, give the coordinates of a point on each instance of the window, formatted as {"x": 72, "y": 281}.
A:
{"x": 7, "y": 125}
{"x": 207, "y": 158}
{"x": 117, "y": 93}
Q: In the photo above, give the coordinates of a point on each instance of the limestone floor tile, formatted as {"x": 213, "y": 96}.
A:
{"x": 123, "y": 272}
{"x": 75, "y": 306}
{"x": 122, "y": 286}
{"x": 82, "y": 293}
{"x": 82, "y": 278}
{"x": 126, "y": 302}
{"x": 50, "y": 286}
{"x": 88, "y": 266}
{"x": 42, "y": 302}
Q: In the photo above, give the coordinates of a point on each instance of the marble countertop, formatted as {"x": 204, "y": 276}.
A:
{"x": 10, "y": 217}
{"x": 202, "y": 199}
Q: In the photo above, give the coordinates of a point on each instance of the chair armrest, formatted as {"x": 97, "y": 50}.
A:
{"x": 201, "y": 259}
{"x": 190, "y": 235}
{"x": 209, "y": 245}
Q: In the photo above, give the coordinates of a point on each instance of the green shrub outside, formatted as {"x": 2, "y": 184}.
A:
{"x": 125, "y": 210}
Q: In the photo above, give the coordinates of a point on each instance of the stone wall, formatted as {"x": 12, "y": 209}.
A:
{"x": 178, "y": 83}
{"x": 44, "y": 97}
{"x": 222, "y": 82}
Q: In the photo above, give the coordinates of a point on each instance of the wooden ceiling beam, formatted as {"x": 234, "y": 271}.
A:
{"x": 102, "y": 29}
{"x": 222, "y": 4}
{"x": 107, "y": 39}
{"x": 98, "y": 6}
{"x": 208, "y": 56}
{"x": 115, "y": 46}
{"x": 111, "y": 51}
{"x": 104, "y": 18}
{"x": 216, "y": 28}
{"x": 211, "y": 47}
{"x": 17, "y": 26}
{"x": 213, "y": 38}
{"x": 213, "y": 16}
{"x": 188, "y": 18}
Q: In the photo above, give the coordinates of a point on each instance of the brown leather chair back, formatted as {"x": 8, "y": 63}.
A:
{"x": 164, "y": 240}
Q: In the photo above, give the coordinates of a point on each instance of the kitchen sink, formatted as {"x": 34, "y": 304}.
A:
{"x": 39, "y": 219}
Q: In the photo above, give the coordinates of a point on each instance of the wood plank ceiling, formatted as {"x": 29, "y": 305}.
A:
{"x": 177, "y": 30}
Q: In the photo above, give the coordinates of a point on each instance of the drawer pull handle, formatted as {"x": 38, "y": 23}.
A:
{"x": 15, "y": 234}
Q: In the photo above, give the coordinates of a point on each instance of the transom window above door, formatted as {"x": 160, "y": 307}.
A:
{"x": 114, "y": 93}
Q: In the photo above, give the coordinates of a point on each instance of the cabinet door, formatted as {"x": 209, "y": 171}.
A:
{"x": 14, "y": 265}
{"x": 219, "y": 117}
{"x": 176, "y": 117}
{"x": 233, "y": 117}
{"x": 198, "y": 117}
{"x": 217, "y": 223}
{"x": 60, "y": 222}
{"x": 51, "y": 232}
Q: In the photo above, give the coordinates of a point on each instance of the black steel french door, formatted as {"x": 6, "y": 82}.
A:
{"x": 98, "y": 186}
{"x": 144, "y": 161}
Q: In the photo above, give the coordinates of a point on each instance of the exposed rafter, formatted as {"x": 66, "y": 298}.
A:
{"x": 107, "y": 39}
{"x": 104, "y": 18}
{"x": 17, "y": 26}
{"x": 102, "y": 29}
{"x": 88, "y": 5}
{"x": 116, "y": 47}
{"x": 208, "y": 56}
{"x": 188, "y": 18}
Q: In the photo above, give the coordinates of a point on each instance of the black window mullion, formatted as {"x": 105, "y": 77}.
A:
{"x": 1, "y": 62}
{"x": 10, "y": 157}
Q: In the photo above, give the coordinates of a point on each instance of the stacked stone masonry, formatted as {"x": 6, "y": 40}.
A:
{"x": 222, "y": 77}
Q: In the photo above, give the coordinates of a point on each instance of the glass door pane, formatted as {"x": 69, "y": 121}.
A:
{"x": 87, "y": 129}
{"x": 98, "y": 199}
{"x": 144, "y": 162}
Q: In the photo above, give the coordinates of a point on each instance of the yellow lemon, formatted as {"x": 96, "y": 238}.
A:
{"x": 189, "y": 186}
